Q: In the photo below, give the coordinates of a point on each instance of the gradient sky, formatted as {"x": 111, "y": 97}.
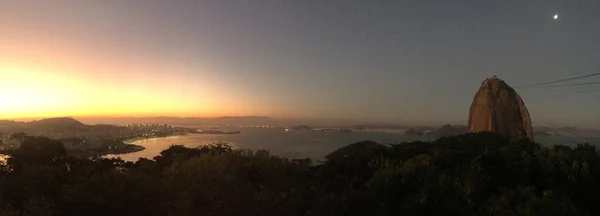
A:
{"x": 394, "y": 61}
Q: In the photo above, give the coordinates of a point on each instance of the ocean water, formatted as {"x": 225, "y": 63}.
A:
{"x": 302, "y": 144}
{"x": 297, "y": 144}
{"x": 292, "y": 144}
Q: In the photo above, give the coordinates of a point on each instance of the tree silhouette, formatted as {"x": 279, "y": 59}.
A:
{"x": 18, "y": 136}
{"x": 470, "y": 174}
{"x": 39, "y": 150}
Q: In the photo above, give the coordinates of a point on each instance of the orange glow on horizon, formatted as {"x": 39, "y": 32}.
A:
{"x": 55, "y": 75}
{"x": 29, "y": 92}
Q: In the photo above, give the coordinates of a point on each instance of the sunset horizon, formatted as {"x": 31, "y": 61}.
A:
{"x": 299, "y": 107}
{"x": 290, "y": 60}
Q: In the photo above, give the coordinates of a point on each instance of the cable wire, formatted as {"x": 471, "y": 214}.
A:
{"x": 554, "y": 133}
{"x": 576, "y": 92}
{"x": 572, "y": 84}
{"x": 560, "y": 80}
{"x": 573, "y": 133}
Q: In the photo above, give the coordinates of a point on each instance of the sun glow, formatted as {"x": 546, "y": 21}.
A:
{"x": 27, "y": 91}
{"x": 61, "y": 75}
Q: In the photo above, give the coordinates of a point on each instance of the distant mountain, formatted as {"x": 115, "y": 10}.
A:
{"x": 57, "y": 123}
{"x": 6, "y": 123}
{"x": 443, "y": 131}
{"x": 225, "y": 120}
{"x": 66, "y": 122}
{"x": 569, "y": 128}
{"x": 414, "y": 131}
{"x": 568, "y": 131}
{"x": 541, "y": 133}
{"x": 243, "y": 117}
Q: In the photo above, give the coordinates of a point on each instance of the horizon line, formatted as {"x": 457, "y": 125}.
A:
{"x": 133, "y": 117}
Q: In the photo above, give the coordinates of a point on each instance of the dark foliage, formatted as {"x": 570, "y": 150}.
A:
{"x": 471, "y": 174}
{"x": 18, "y": 136}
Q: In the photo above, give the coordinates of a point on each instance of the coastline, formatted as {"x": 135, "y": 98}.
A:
{"x": 126, "y": 146}
{"x": 139, "y": 138}
{"x": 113, "y": 147}
{"x": 129, "y": 146}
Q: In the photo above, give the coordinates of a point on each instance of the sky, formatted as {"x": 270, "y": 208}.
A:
{"x": 385, "y": 61}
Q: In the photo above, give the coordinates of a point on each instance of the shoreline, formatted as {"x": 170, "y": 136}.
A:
{"x": 129, "y": 146}
{"x": 124, "y": 146}
{"x": 130, "y": 141}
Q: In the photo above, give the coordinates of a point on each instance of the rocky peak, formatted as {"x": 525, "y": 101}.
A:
{"x": 498, "y": 108}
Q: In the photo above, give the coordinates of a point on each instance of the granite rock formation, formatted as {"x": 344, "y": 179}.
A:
{"x": 498, "y": 108}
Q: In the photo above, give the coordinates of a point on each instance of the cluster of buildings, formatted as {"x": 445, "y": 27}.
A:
{"x": 239, "y": 126}
{"x": 96, "y": 136}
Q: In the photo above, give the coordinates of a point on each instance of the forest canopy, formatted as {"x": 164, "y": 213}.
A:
{"x": 470, "y": 174}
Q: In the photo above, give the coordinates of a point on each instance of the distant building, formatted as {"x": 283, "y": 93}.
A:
{"x": 498, "y": 108}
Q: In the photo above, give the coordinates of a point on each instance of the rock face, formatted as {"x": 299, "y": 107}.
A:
{"x": 498, "y": 108}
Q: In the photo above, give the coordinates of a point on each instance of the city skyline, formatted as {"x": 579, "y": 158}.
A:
{"x": 377, "y": 61}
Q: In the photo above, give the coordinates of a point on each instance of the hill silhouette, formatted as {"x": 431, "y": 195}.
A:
{"x": 58, "y": 123}
{"x": 472, "y": 174}
{"x": 364, "y": 149}
{"x": 225, "y": 120}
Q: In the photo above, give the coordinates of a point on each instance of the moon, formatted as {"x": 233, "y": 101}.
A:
{"x": 555, "y": 17}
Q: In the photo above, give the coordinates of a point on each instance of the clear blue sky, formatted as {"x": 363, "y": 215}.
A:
{"x": 416, "y": 60}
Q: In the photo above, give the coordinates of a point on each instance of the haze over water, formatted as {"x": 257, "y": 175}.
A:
{"x": 292, "y": 144}
{"x": 297, "y": 144}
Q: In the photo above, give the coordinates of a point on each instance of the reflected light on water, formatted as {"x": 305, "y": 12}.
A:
{"x": 290, "y": 144}
{"x": 3, "y": 158}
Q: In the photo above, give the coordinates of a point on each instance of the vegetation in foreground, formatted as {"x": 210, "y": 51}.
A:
{"x": 471, "y": 174}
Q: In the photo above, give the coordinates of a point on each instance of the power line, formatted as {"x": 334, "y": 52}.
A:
{"x": 572, "y": 133}
{"x": 552, "y": 125}
{"x": 573, "y": 84}
{"x": 568, "y": 139}
{"x": 560, "y": 80}
{"x": 576, "y": 92}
